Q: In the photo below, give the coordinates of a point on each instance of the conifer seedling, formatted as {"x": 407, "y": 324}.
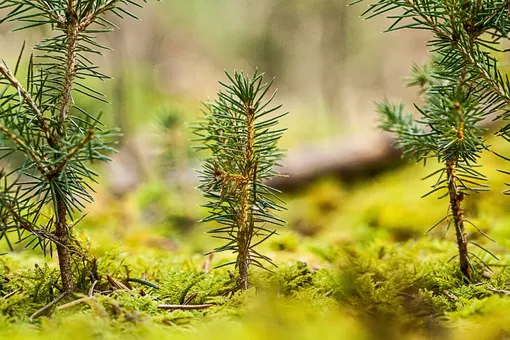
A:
{"x": 47, "y": 138}
{"x": 240, "y": 134}
{"x": 462, "y": 85}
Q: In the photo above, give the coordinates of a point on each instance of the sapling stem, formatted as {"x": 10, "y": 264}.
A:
{"x": 61, "y": 229}
{"x": 64, "y": 255}
{"x": 458, "y": 220}
{"x": 245, "y": 218}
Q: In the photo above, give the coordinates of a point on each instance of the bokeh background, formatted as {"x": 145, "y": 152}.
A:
{"x": 330, "y": 65}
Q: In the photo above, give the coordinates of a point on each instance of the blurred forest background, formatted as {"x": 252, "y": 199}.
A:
{"x": 329, "y": 65}
{"x": 330, "y": 68}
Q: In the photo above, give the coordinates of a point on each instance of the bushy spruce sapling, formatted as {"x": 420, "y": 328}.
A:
{"x": 462, "y": 86}
{"x": 47, "y": 138}
{"x": 239, "y": 132}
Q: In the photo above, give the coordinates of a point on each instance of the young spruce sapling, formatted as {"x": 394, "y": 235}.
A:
{"x": 240, "y": 134}
{"x": 462, "y": 86}
{"x": 47, "y": 137}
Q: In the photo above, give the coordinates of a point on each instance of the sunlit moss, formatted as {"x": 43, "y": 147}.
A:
{"x": 367, "y": 270}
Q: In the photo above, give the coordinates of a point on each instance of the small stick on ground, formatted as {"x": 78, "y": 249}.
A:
{"x": 207, "y": 263}
{"x": 186, "y": 307}
{"x": 499, "y": 291}
{"x": 75, "y": 302}
{"x": 91, "y": 290}
{"x": 10, "y": 294}
{"x": 39, "y": 312}
{"x": 190, "y": 299}
{"x": 116, "y": 284}
{"x": 328, "y": 293}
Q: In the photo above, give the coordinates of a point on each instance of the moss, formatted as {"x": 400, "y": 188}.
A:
{"x": 367, "y": 272}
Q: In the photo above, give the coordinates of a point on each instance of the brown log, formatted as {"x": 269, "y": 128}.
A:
{"x": 351, "y": 156}
{"x": 345, "y": 156}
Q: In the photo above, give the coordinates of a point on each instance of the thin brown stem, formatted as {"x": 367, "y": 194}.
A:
{"x": 74, "y": 303}
{"x": 22, "y": 145}
{"x": 59, "y": 19}
{"x": 458, "y": 219}
{"x": 39, "y": 312}
{"x": 243, "y": 237}
{"x": 90, "y": 18}
{"x": 185, "y": 307}
{"x": 24, "y": 224}
{"x": 64, "y": 255}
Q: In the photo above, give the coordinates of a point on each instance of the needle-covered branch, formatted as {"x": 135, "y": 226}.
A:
{"x": 71, "y": 153}
{"x": 467, "y": 36}
{"x": 28, "y": 99}
{"x": 24, "y": 148}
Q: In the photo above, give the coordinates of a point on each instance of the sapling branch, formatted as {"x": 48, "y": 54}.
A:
{"x": 71, "y": 153}
{"x": 23, "y": 146}
{"x": 21, "y": 90}
{"x": 59, "y": 20}
{"x": 24, "y": 224}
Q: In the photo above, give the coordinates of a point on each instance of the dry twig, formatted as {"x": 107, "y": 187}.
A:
{"x": 39, "y": 312}
{"x": 185, "y": 307}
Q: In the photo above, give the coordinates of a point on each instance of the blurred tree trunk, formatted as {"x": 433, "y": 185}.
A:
{"x": 124, "y": 181}
{"x": 120, "y": 117}
{"x": 333, "y": 52}
{"x": 279, "y": 38}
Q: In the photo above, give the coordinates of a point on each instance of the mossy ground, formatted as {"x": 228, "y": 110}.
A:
{"x": 354, "y": 263}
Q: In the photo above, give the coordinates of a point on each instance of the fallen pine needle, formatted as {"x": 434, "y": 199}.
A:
{"x": 91, "y": 290}
{"x": 74, "y": 303}
{"x": 10, "y": 294}
{"x": 186, "y": 307}
{"x": 143, "y": 282}
{"x": 207, "y": 264}
{"x": 500, "y": 291}
{"x": 39, "y": 312}
{"x": 116, "y": 284}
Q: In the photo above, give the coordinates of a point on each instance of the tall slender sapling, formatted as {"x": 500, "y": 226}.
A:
{"x": 41, "y": 123}
{"x": 242, "y": 142}
{"x": 462, "y": 86}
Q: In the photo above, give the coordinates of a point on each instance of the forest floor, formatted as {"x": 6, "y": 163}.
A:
{"x": 353, "y": 263}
